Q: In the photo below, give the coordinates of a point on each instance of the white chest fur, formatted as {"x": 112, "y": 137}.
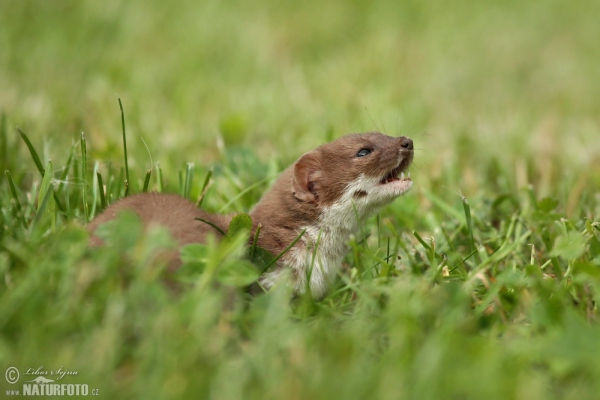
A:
{"x": 329, "y": 236}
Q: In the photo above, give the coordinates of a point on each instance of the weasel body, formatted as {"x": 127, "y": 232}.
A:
{"x": 327, "y": 193}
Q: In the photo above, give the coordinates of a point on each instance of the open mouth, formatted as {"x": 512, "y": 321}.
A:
{"x": 396, "y": 175}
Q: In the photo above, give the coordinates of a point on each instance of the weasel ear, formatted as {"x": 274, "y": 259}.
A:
{"x": 307, "y": 172}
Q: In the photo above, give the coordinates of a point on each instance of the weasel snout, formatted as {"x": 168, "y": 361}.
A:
{"x": 406, "y": 143}
{"x": 405, "y": 153}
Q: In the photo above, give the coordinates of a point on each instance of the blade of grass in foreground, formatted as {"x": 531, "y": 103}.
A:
{"x": 255, "y": 241}
{"x": 40, "y": 211}
{"x": 148, "y": 171}
{"x": 43, "y": 199}
{"x": 46, "y": 182}
{"x": 65, "y": 172}
{"x": 467, "y": 209}
{"x": 119, "y": 185}
{"x": 189, "y": 174}
{"x": 101, "y": 190}
{"x": 431, "y": 252}
{"x": 127, "y": 181}
{"x": 221, "y": 231}
{"x": 147, "y": 180}
{"x": 83, "y": 178}
{"x": 96, "y": 190}
{"x": 34, "y": 154}
{"x": 3, "y": 143}
{"x": 204, "y": 187}
{"x": 274, "y": 260}
{"x": 159, "y": 177}
{"x": 38, "y": 164}
{"x": 13, "y": 191}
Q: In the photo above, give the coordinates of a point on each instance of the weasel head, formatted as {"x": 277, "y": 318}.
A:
{"x": 326, "y": 193}
{"x": 365, "y": 171}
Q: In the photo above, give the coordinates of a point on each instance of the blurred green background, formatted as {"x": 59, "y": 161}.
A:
{"x": 502, "y": 101}
{"x": 470, "y": 81}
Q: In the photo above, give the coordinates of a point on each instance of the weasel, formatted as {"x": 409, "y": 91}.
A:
{"x": 327, "y": 193}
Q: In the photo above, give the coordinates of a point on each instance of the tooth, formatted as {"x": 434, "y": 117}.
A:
{"x": 409, "y": 175}
{"x": 402, "y": 176}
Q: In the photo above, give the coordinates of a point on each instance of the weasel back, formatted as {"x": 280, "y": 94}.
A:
{"x": 169, "y": 210}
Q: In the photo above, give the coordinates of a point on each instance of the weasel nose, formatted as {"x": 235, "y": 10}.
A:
{"x": 407, "y": 143}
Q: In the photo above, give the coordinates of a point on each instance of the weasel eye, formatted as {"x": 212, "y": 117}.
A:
{"x": 363, "y": 152}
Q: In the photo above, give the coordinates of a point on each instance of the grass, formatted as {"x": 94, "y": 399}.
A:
{"x": 482, "y": 282}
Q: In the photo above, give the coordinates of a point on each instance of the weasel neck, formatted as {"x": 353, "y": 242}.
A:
{"x": 316, "y": 258}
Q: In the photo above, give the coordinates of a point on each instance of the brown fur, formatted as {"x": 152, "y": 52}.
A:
{"x": 169, "y": 210}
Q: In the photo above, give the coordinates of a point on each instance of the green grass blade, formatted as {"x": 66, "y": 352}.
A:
{"x": 101, "y": 191}
{"x": 119, "y": 185}
{"x": 147, "y": 180}
{"x": 83, "y": 178}
{"x": 274, "y": 260}
{"x": 462, "y": 262}
{"x": 431, "y": 253}
{"x": 65, "y": 172}
{"x": 467, "y": 210}
{"x": 46, "y": 182}
{"x": 95, "y": 191}
{"x": 127, "y": 181}
{"x": 204, "y": 187}
{"x": 13, "y": 191}
{"x": 189, "y": 174}
{"x": 159, "y": 177}
{"x": 385, "y": 267}
{"x": 34, "y": 154}
{"x": 3, "y": 143}
{"x": 45, "y": 193}
{"x": 59, "y": 205}
{"x": 76, "y": 172}
{"x": 221, "y": 231}
{"x": 40, "y": 211}
{"x": 255, "y": 241}
{"x": 67, "y": 207}
{"x": 181, "y": 189}
{"x": 420, "y": 239}
{"x": 83, "y": 157}
{"x": 110, "y": 186}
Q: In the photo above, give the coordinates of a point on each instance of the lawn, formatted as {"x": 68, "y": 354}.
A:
{"x": 482, "y": 282}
